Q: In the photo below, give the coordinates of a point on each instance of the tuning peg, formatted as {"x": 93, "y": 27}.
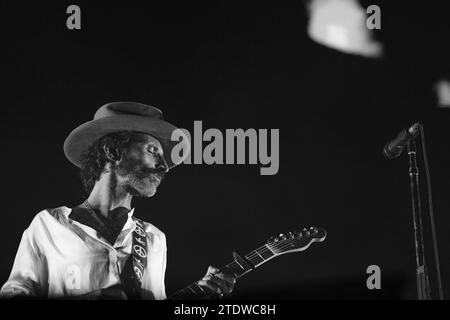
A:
{"x": 290, "y": 235}
{"x": 298, "y": 233}
{"x": 304, "y": 232}
{"x": 272, "y": 239}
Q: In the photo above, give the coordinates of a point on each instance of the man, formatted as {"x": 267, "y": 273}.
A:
{"x": 99, "y": 249}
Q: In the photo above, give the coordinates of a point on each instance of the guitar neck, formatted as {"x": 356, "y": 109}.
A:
{"x": 237, "y": 268}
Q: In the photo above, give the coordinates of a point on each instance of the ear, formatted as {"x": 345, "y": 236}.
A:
{"x": 112, "y": 154}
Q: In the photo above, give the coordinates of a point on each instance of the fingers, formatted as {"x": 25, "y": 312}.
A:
{"x": 211, "y": 286}
{"x": 216, "y": 272}
{"x": 218, "y": 283}
{"x": 231, "y": 280}
{"x": 212, "y": 270}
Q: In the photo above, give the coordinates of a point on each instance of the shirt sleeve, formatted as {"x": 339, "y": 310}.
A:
{"x": 29, "y": 269}
{"x": 164, "y": 264}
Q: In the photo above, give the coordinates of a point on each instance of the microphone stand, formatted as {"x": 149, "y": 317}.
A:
{"x": 423, "y": 286}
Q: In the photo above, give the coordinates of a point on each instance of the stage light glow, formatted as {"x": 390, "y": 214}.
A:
{"x": 341, "y": 25}
{"x": 442, "y": 89}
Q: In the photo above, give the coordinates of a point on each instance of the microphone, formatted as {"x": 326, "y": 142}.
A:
{"x": 394, "y": 148}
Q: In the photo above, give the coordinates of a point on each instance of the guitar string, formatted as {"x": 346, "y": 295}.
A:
{"x": 190, "y": 288}
{"x": 279, "y": 246}
{"x": 284, "y": 244}
{"x": 250, "y": 257}
{"x": 263, "y": 249}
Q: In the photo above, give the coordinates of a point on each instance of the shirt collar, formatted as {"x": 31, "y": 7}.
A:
{"x": 129, "y": 224}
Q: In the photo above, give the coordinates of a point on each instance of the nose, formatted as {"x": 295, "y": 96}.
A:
{"x": 162, "y": 164}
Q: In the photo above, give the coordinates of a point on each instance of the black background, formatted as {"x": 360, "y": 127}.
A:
{"x": 239, "y": 65}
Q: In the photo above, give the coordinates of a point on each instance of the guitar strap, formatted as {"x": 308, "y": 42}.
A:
{"x": 139, "y": 257}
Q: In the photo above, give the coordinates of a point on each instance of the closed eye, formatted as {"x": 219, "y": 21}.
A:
{"x": 153, "y": 149}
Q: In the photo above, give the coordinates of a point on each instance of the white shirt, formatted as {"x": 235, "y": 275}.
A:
{"x": 59, "y": 257}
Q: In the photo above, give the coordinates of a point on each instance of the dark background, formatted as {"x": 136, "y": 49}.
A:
{"x": 241, "y": 65}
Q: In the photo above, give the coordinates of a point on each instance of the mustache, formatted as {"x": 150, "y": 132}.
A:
{"x": 160, "y": 174}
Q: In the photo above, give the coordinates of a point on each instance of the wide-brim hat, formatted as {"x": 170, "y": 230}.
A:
{"x": 125, "y": 116}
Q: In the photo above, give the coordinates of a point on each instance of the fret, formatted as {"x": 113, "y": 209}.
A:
{"x": 266, "y": 253}
{"x": 230, "y": 270}
{"x": 191, "y": 289}
{"x": 255, "y": 258}
{"x": 260, "y": 255}
{"x": 178, "y": 294}
{"x": 196, "y": 290}
{"x": 202, "y": 291}
{"x": 271, "y": 250}
{"x": 238, "y": 267}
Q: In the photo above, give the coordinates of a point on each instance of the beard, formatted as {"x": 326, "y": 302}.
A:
{"x": 137, "y": 179}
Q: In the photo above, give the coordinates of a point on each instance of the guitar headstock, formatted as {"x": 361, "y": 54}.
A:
{"x": 298, "y": 240}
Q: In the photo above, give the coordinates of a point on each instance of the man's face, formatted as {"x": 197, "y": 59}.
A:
{"x": 142, "y": 167}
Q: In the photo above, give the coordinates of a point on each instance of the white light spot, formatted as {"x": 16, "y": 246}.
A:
{"x": 443, "y": 93}
{"x": 341, "y": 25}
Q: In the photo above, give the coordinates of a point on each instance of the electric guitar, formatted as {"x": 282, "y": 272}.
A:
{"x": 295, "y": 241}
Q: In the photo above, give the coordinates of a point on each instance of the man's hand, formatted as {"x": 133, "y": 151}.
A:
{"x": 217, "y": 284}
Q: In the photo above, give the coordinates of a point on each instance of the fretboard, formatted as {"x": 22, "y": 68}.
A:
{"x": 236, "y": 268}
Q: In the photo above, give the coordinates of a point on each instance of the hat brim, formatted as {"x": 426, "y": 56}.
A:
{"x": 79, "y": 140}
